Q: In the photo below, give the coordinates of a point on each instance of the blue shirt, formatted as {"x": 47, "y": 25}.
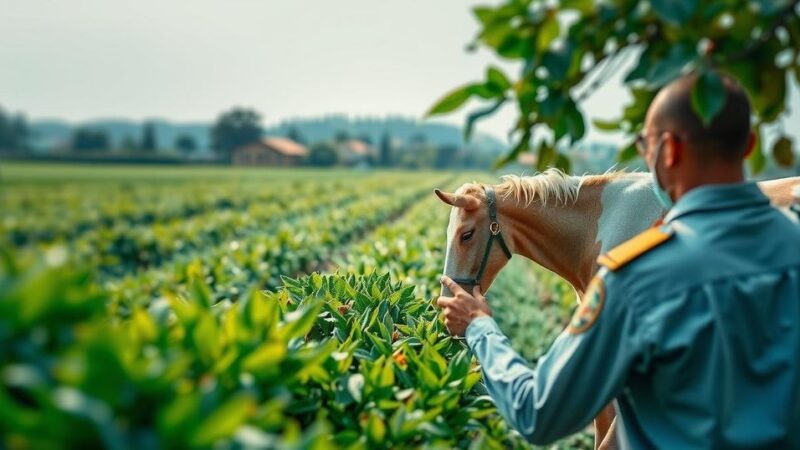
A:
{"x": 698, "y": 339}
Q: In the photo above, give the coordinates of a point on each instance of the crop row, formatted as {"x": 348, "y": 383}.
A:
{"x": 123, "y": 250}
{"x": 107, "y": 209}
{"x": 78, "y": 210}
{"x": 286, "y": 247}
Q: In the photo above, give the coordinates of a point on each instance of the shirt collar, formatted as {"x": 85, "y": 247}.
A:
{"x": 714, "y": 197}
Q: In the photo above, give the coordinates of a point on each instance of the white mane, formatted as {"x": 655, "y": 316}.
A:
{"x": 552, "y": 183}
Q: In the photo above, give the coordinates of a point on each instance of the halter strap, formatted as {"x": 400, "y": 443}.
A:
{"x": 494, "y": 235}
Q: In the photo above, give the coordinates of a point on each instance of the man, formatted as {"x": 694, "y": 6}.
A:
{"x": 693, "y": 326}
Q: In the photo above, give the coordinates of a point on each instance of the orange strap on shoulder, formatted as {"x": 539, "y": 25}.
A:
{"x": 629, "y": 250}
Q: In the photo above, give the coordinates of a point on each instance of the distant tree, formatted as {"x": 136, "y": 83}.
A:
{"x": 341, "y": 136}
{"x": 149, "y": 142}
{"x": 417, "y": 157}
{"x": 186, "y": 144}
{"x": 366, "y": 138}
{"x": 128, "y": 143}
{"x": 234, "y": 129}
{"x": 418, "y": 142}
{"x": 323, "y": 154}
{"x": 14, "y": 132}
{"x": 446, "y": 156}
{"x": 89, "y": 139}
{"x": 295, "y": 135}
{"x": 385, "y": 159}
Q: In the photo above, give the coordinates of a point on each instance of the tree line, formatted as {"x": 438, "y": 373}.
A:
{"x": 91, "y": 139}
{"x": 237, "y": 128}
{"x": 14, "y": 131}
{"x": 242, "y": 126}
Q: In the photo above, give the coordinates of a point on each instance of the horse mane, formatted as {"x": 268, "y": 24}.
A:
{"x": 550, "y": 184}
{"x": 553, "y": 183}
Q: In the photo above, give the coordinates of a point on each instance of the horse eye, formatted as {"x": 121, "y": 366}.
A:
{"x": 467, "y": 236}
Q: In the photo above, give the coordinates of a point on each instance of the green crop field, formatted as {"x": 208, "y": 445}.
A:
{"x": 146, "y": 307}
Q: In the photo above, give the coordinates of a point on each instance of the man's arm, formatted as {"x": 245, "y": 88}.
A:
{"x": 584, "y": 369}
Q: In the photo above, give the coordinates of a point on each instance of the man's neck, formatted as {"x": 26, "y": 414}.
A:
{"x": 709, "y": 174}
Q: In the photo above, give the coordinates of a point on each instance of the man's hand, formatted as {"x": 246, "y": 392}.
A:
{"x": 460, "y": 310}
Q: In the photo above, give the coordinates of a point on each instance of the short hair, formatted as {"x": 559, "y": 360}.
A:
{"x": 728, "y": 132}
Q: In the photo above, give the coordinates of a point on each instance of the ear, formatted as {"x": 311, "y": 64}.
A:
{"x": 673, "y": 150}
{"x": 751, "y": 144}
{"x": 458, "y": 200}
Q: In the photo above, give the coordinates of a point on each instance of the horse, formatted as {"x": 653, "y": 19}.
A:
{"x": 561, "y": 222}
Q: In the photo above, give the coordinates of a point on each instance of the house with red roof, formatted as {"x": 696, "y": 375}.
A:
{"x": 271, "y": 151}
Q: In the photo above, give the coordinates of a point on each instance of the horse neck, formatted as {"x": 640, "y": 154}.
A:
{"x": 566, "y": 238}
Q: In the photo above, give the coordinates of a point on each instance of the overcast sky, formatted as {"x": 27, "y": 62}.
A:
{"x": 187, "y": 60}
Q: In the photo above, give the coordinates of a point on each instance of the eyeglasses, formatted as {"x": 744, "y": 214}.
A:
{"x": 640, "y": 142}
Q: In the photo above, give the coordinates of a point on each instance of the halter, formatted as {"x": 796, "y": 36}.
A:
{"x": 494, "y": 235}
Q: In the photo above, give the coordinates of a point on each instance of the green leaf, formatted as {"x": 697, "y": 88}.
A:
{"x": 563, "y": 162}
{"x": 224, "y": 421}
{"x": 521, "y": 146}
{"x": 265, "y": 359}
{"x": 206, "y": 339}
{"x": 757, "y": 161}
{"x": 387, "y": 374}
{"x": 451, "y": 102}
{"x": 606, "y": 125}
{"x": 670, "y": 66}
{"x": 383, "y": 346}
{"x": 782, "y": 152}
{"x": 200, "y": 292}
{"x": 576, "y": 127}
{"x": 546, "y": 155}
{"x": 548, "y": 32}
{"x": 676, "y": 12}
{"x": 485, "y": 90}
{"x": 459, "y": 366}
{"x": 433, "y": 359}
{"x": 646, "y": 60}
{"x": 175, "y": 417}
{"x": 496, "y": 77}
{"x": 628, "y": 153}
{"x": 300, "y": 321}
{"x": 769, "y": 100}
{"x": 584, "y": 6}
{"x": 484, "y": 14}
{"x": 708, "y": 96}
{"x": 473, "y": 117}
{"x": 376, "y": 428}
{"x": 558, "y": 62}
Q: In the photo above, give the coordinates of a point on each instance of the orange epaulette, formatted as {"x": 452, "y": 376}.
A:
{"x": 629, "y": 250}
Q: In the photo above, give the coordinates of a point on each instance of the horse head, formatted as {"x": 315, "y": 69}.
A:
{"x": 476, "y": 248}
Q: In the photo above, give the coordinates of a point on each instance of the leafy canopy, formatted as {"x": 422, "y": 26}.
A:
{"x": 570, "y": 48}
{"x": 234, "y": 129}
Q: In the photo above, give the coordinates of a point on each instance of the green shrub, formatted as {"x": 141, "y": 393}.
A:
{"x": 325, "y": 361}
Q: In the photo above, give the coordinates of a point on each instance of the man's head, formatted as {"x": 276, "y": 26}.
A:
{"x": 685, "y": 152}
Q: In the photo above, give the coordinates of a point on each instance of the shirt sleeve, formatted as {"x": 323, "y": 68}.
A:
{"x": 580, "y": 373}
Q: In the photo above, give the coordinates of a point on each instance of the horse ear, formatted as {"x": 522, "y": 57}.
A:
{"x": 458, "y": 200}
{"x": 445, "y": 197}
